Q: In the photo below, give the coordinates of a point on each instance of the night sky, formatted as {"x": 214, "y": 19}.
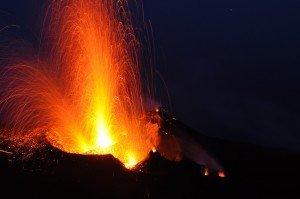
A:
{"x": 231, "y": 67}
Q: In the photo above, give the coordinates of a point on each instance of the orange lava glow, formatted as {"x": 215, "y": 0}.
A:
{"x": 206, "y": 173}
{"x": 221, "y": 174}
{"x": 85, "y": 86}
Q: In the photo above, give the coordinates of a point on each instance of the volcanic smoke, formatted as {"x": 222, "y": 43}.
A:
{"x": 83, "y": 90}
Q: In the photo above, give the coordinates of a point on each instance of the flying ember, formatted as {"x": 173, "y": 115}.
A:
{"x": 83, "y": 89}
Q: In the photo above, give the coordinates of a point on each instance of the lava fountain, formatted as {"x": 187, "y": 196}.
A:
{"x": 83, "y": 90}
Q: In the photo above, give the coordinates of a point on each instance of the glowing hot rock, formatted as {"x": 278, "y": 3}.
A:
{"x": 84, "y": 89}
{"x": 103, "y": 140}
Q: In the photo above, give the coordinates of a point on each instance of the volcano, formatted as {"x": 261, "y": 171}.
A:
{"x": 76, "y": 123}
{"x": 251, "y": 171}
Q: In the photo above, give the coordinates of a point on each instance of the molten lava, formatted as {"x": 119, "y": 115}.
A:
{"x": 221, "y": 174}
{"x": 84, "y": 88}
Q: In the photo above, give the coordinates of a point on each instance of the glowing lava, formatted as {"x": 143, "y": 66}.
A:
{"x": 221, "y": 174}
{"x": 85, "y": 87}
{"x": 206, "y": 172}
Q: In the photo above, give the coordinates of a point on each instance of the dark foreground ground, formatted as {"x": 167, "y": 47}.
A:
{"x": 252, "y": 172}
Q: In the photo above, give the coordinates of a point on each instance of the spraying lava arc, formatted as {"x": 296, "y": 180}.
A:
{"x": 83, "y": 89}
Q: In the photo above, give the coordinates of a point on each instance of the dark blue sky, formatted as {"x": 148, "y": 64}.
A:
{"x": 232, "y": 67}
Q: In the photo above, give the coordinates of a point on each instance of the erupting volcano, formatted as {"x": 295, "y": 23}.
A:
{"x": 83, "y": 91}
{"x": 85, "y": 108}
